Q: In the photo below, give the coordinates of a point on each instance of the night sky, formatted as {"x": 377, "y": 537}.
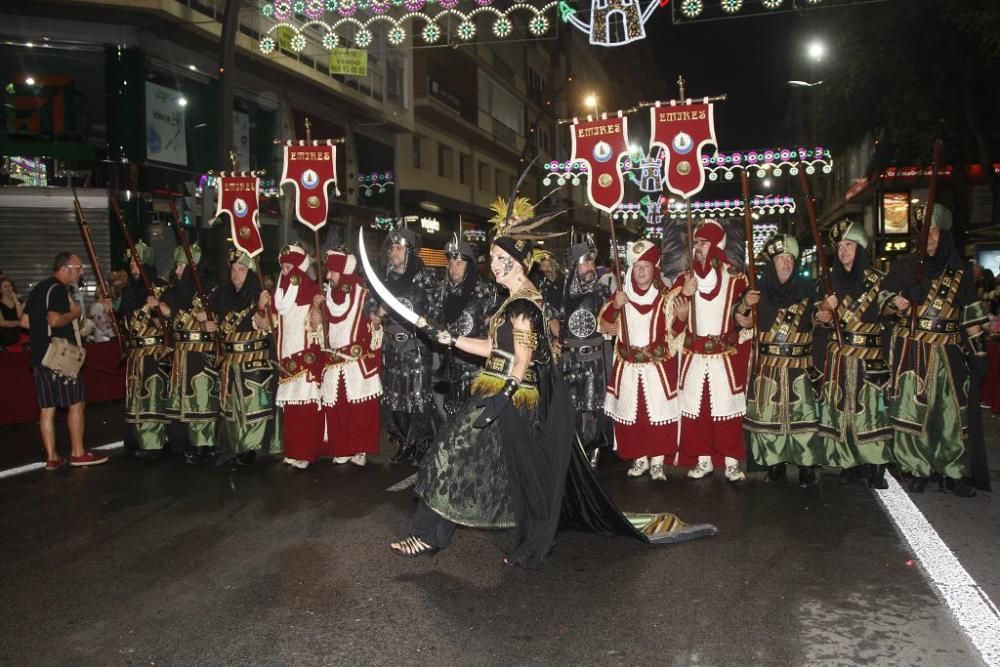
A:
{"x": 749, "y": 59}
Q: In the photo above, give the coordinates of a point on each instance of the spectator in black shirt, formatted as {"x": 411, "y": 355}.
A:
{"x": 51, "y": 313}
{"x": 11, "y": 310}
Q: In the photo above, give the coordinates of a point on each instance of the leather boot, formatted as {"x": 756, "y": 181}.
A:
{"x": 775, "y": 473}
{"x": 917, "y": 485}
{"x": 876, "y": 478}
{"x": 807, "y": 476}
{"x": 595, "y": 456}
{"x": 403, "y": 454}
{"x": 959, "y": 487}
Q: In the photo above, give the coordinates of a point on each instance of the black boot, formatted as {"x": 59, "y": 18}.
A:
{"x": 775, "y": 473}
{"x": 245, "y": 459}
{"x": 876, "y": 478}
{"x": 959, "y": 487}
{"x": 917, "y": 484}
{"x": 595, "y": 456}
{"x": 148, "y": 454}
{"x": 200, "y": 456}
{"x": 419, "y": 452}
{"x": 847, "y": 475}
{"x": 403, "y": 454}
{"x": 807, "y": 476}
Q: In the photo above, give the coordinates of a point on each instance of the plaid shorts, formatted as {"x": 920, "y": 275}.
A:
{"x": 54, "y": 391}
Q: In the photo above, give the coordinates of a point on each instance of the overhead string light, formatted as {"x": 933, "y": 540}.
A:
{"x": 688, "y": 10}
{"x": 293, "y": 36}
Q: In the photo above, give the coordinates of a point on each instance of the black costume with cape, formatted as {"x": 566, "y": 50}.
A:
{"x": 525, "y": 470}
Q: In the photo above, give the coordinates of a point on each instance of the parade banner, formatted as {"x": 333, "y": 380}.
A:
{"x": 601, "y": 143}
{"x": 238, "y": 197}
{"x": 682, "y": 130}
{"x": 311, "y": 167}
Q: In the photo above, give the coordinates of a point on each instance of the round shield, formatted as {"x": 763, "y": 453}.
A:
{"x": 582, "y": 323}
{"x": 461, "y": 326}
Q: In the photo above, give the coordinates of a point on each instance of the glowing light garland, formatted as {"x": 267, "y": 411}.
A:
{"x": 652, "y": 211}
{"x": 768, "y": 162}
{"x": 502, "y": 26}
{"x": 689, "y": 10}
{"x": 609, "y": 23}
{"x": 375, "y": 183}
{"x": 725, "y": 166}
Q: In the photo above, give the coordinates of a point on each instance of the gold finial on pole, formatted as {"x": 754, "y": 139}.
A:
{"x": 308, "y": 125}
{"x": 234, "y": 160}
{"x": 680, "y": 84}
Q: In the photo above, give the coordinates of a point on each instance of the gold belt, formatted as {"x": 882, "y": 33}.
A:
{"x": 192, "y": 337}
{"x": 244, "y": 346}
{"x": 134, "y": 343}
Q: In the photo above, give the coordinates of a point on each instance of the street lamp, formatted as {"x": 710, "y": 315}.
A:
{"x": 816, "y": 50}
{"x": 591, "y": 101}
{"x": 803, "y": 84}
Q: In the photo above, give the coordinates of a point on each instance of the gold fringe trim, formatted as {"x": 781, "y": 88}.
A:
{"x": 486, "y": 385}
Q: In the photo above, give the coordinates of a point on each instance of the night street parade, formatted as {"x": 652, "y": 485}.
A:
{"x": 496, "y": 332}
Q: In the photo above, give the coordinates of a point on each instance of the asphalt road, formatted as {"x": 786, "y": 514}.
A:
{"x": 160, "y": 563}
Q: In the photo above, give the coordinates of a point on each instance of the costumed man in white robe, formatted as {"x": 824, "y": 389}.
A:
{"x": 715, "y": 360}
{"x": 351, "y": 383}
{"x": 642, "y": 390}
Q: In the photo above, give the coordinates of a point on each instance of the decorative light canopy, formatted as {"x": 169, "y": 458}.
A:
{"x": 333, "y": 17}
{"x": 608, "y": 22}
{"x": 700, "y": 10}
{"x": 768, "y": 162}
{"x": 652, "y": 210}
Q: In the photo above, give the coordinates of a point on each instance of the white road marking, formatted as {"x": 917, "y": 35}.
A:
{"x": 405, "y": 484}
{"x": 111, "y": 445}
{"x": 973, "y": 609}
{"x": 10, "y": 472}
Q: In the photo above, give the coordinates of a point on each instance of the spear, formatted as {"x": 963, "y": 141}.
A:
{"x": 824, "y": 266}
{"x": 748, "y": 233}
{"x": 183, "y": 241}
{"x": 102, "y": 286}
{"x": 142, "y": 269}
{"x": 921, "y": 268}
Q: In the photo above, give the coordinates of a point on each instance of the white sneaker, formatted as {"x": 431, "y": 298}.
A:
{"x": 359, "y": 459}
{"x": 656, "y": 472}
{"x": 703, "y": 468}
{"x": 639, "y": 467}
{"x": 341, "y": 459}
{"x": 733, "y": 472}
{"x": 297, "y": 463}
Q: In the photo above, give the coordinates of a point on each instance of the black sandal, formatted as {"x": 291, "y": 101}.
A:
{"x": 412, "y": 547}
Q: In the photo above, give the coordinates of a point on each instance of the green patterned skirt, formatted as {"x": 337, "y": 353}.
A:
{"x": 782, "y": 418}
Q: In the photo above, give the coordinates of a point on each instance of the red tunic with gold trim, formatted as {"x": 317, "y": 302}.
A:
{"x": 351, "y": 383}
{"x": 301, "y": 360}
{"x": 714, "y": 364}
{"x": 641, "y": 396}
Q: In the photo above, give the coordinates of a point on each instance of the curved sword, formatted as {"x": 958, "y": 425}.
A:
{"x": 387, "y": 297}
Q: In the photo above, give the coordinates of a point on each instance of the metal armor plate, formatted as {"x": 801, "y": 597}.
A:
{"x": 582, "y": 323}
{"x": 462, "y": 326}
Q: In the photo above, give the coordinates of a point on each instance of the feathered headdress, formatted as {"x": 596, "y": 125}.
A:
{"x": 516, "y": 225}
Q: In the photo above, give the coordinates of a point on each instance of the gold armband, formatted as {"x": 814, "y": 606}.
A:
{"x": 527, "y": 338}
